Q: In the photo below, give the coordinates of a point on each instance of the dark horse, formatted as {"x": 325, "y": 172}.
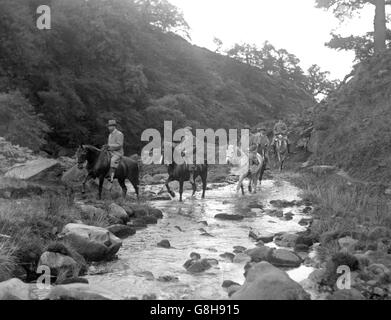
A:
{"x": 98, "y": 165}
{"x": 181, "y": 173}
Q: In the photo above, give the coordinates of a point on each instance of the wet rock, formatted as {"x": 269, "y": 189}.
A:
{"x": 308, "y": 239}
{"x": 259, "y": 254}
{"x": 162, "y": 198}
{"x": 179, "y": 228}
{"x": 212, "y": 262}
{"x": 352, "y": 294}
{"x": 266, "y": 282}
{"x": 288, "y": 216}
{"x": 260, "y": 243}
{"x": 137, "y": 224}
{"x": 348, "y": 244}
{"x": 228, "y": 283}
{"x": 239, "y": 249}
{"x": 232, "y": 289}
{"x": 379, "y": 292}
{"x": 168, "y": 278}
{"x": 256, "y": 206}
{"x": 93, "y": 243}
{"x": 241, "y": 258}
{"x": 227, "y": 255}
{"x": 282, "y": 204}
{"x": 129, "y": 211}
{"x": 149, "y": 297}
{"x": 282, "y": 258}
{"x": 15, "y": 289}
{"x": 148, "y": 275}
{"x": 122, "y": 231}
{"x": 287, "y": 240}
{"x": 263, "y": 236}
{"x": 148, "y": 179}
{"x": 118, "y": 212}
{"x": 229, "y": 217}
{"x": 206, "y": 234}
{"x": 60, "y": 266}
{"x": 275, "y": 213}
{"x": 79, "y": 291}
{"x": 204, "y": 223}
{"x": 307, "y": 210}
{"x": 305, "y": 221}
{"x": 197, "y": 266}
{"x": 164, "y": 244}
{"x": 195, "y": 256}
{"x": 301, "y": 248}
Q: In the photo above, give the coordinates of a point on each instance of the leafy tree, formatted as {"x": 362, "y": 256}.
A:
{"x": 318, "y": 81}
{"x": 163, "y": 15}
{"x": 19, "y": 123}
{"x": 346, "y": 8}
{"x": 219, "y": 44}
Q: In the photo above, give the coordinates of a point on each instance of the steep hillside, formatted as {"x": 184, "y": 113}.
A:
{"x": 353, "y": 127}
{"x": 101, "y": 60}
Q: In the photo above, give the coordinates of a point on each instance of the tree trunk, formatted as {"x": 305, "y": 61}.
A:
{"x": 380, "y": 26}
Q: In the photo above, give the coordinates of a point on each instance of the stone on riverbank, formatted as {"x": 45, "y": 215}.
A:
{"x": 121, "y": 231}
{"x": 259, "y": 254}
{"x": 61, "y": 266}
{"x": 164, "y": 244}
{"x": 266, "y": 282}
{"x": 352, "y": 294}
{"x": 282, "y": 258}
{"x": 93, "y": 243}
{"x": 287, "y": 240}
{"x": 79, "y": 291}
{"x": 229, "y": 217}
{"x": 15, "y": 289}
{"x": 197, "y": 266}
{"x": 118, "y": 212}
{"x": 264, "y": 236}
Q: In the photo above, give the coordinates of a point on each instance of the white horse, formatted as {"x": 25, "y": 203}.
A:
{"x": 240, "y": 160}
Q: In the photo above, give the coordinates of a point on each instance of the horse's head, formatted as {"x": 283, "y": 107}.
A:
{"x": 81, "y": 156}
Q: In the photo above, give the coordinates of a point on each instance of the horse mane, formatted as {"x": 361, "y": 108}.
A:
{"x": 91, "y": 148}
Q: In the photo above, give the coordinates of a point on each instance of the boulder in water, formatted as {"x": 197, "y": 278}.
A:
{"x": 122, "y": 231}
{"x": 93, "y": 243}
{"x": 259, "y": 254}
{"x": 282, "y": 258}
{"x": 229, "y": 217}
{"x": 266, "y": 282}
{"x": 164, "y": 244}
{"x": 197, "y": 266}
{"x": 264, "y": 236}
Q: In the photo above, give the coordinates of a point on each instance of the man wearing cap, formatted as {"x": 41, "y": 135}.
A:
{"x": 115, "y": 146}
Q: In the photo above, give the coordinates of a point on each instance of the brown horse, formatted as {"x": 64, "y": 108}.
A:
{"x": 181, "y": 173}
{"x": 98, "y": 166}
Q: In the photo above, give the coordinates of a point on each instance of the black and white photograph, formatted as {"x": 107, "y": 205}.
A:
{"x": 193, "y": 155}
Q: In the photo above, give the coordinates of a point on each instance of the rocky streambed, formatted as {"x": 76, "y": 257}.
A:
{"x": 200, "y": 249}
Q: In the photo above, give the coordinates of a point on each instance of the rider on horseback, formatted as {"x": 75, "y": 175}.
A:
{"x": 281, "y": 128}
{"x": 115, "y": 146}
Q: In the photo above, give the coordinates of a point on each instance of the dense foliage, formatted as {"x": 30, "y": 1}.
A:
{"x": 128, "y": 60}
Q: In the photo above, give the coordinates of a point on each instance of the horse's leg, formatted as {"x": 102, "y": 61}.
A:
{"x": 101, "y": 180}
{"x": 167, "y": 184}
{"x": 88, "y": 177}
{"x": 181, "y": 182}
{"x": 123, "y": 187}
{"x": 194, "y": 185}
{"x": 240, "y": 183}
{"x": 204, "y": 183}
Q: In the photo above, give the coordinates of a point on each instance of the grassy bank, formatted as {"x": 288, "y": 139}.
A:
{"x": 344, "y": 209}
